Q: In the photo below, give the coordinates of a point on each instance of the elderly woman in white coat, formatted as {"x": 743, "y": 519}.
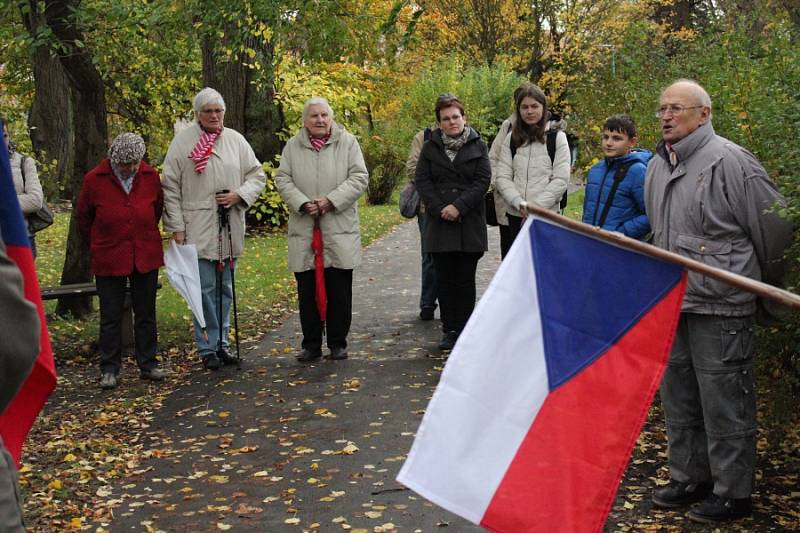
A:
{"x": 526, "y": 175}
{"x": 210, "y": 169}
{"x": 321, "y": 176}
{"x": 26, "y": 181}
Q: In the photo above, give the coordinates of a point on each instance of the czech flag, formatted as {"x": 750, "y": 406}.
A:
{"x": 542, "y": 399}
{"x": 17, "y": 419}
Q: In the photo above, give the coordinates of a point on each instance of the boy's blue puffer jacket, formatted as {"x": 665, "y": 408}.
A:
{"x": 627, "y": 214}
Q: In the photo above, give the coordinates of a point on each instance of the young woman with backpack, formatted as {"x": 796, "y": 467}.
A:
{"x": 526, "y": 174}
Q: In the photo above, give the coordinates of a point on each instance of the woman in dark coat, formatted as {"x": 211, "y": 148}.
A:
{"x": 118, "y": 211}
{"x": 452, "y": 178}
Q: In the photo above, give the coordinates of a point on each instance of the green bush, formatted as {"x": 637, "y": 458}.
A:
{"x": 486, "y": 93}
{"x": 642, "y": 68}
{"x": 752, "y": 80}
{"x": 269, "y": 210}
{"x": 386, "y": 165}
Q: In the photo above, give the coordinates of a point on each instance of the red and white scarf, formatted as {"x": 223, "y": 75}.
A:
{"x": 202, "y": 150}
{"x": 318, "y": 143}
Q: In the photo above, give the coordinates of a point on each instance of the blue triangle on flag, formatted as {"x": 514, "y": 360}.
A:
{"x": 590, "y": 294}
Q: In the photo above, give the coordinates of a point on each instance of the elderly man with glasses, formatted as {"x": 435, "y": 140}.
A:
{"x": 712, "y": 201}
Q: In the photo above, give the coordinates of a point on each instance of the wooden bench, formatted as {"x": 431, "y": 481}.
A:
{"x": 90, "y": 289}
{"x": 66, "y": 291}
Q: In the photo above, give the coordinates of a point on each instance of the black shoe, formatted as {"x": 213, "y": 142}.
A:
{"x": 448, "y": 341}
{"x": 716, "y": 509}
{"x": 225, "y": 357}
{"x": 337, "y": 354}
{"x": 108, "y": 381}
{"x": 153, "y": 374}
{"x": 211, "y": 362}
{"x": 426, "y": 313}
{"x": 306, "y": 355}
{"x": 678, "y": 494}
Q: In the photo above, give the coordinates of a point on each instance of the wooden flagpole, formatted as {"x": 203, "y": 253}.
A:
{"x": 740, "y": 282}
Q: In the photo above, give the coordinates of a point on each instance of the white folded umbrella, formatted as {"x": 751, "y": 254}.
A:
{"x": 183, "y": 272}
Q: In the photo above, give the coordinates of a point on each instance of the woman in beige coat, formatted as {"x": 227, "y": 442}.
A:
{"x": 321, "y": 176}
{"x": 210, "y": 169}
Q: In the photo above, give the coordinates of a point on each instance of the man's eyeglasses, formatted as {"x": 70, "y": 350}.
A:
{"x": 452, "y": 118}
{"x": 674, "y": 109}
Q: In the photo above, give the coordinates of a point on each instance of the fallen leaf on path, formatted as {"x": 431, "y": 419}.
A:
{"x": 350, "y": 449}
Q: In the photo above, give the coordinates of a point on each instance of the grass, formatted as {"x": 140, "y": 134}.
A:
{"x": 264, "y": 285}
{"x": 574, "y": 208}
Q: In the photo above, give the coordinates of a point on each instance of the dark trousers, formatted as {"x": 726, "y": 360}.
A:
{"x": 339, "y": 286}
{"x": 709, "y": 398}
{"x": 430, "y": 291}
{"x": 505, "y": 240}
{"x": 455, "y": 275}
{"x": 111, "y": 291}
{"x": 514, "y": 227}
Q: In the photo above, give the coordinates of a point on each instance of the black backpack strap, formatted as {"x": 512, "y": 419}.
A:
{"x": 426, "y": 134}
{"x": 22, "y": 169}
{"x": 618, "y": 177}
{"x": 551, "y": 144}
{"x": 551, "y": 151}
{"x": 511, "y": 143}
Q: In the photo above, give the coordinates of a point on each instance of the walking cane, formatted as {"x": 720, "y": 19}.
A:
{"x": 232, "y": 263}
{"x": 221, "y": 216}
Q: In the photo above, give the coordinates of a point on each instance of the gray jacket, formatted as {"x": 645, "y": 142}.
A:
{"x": 18, "y": 352}
{"x": 715, "y": 207}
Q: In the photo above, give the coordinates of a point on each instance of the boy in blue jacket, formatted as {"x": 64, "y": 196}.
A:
{"x": 614, "y": 197}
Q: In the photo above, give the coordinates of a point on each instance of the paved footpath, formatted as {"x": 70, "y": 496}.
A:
{"x": 281, "y": 446}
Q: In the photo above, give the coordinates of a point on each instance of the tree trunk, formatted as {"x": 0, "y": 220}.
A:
{"x": 230, "y": 78}
{"x": 50, "y": 117}
{"x": 749, "y": 14}
{"x": 91, "y": 135}
{"x": 250, "y": 103}
{"x": 683, "y": 14}
{"x": 263, "y": 116}
{"x": 535, "y": 68}
{"x": 793, "y": 10}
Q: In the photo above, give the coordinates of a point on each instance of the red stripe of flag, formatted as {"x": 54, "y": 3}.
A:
{"x": 17, "y": 420}
{"x": 566, "y": 472}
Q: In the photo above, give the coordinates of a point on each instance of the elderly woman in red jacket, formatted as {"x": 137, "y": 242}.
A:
{"x": 119, "y": 208}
